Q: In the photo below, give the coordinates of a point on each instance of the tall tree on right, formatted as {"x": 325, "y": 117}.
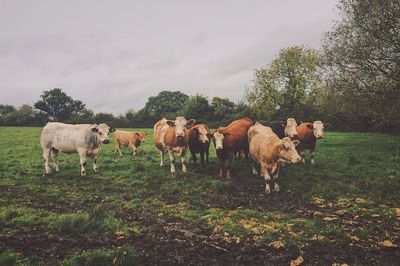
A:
{"x": 362, "y": 55}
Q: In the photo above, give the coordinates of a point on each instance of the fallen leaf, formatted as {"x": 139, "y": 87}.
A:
{"x": 331, "y": 218}
{"x": 341, "y": 212}
{"x": 360, "y": 200}
{"x": 277, "y": 244}
{"x": 299, "y": 260}
{"x": 397, "y": 211}
{"x": 355, "y": 238}
{"x": 317, "y": 213}
{"x": 375, "y": 215}
{"x": 388, "y": 244}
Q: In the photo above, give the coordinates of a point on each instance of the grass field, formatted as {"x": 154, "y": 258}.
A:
{"x": 343, "y": 209}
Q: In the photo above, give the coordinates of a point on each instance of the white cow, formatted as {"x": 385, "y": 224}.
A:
{"x": 84, "y": 139}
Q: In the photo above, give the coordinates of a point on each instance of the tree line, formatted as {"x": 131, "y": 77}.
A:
{"x": 353, "y": 82}
{"x": 56, "y": 105}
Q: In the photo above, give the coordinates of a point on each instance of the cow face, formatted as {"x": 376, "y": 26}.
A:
{"x": 181, "y": 124}
{"x": 218, "y": 139}
{"x": 318, "y": 129}
{"x": 202, "y": 134}
{"x": 287, "y": 151}
{"x": 142, "y": 136}
{"x": 290, "y": 128}
{"x": 102, "y": 131}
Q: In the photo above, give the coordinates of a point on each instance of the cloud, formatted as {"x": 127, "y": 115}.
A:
{"x": 114, "y": 56}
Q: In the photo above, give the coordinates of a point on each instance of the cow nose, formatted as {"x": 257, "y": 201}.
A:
{"x": 298, "y": 159}
{"x": 106, "y": 141}
{"x": 219, "y": 147}
{"x": 180, "y": 137}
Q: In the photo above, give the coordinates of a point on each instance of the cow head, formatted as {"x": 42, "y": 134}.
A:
{"x": 290, "y": 128}
{"x": 287, "y": 150}
{"x": 318, "y": 129}
{"x": 102, "y": 131}
{"x": 181, "y": 124}
{"x": 202, "y": 134}
{"x": 141, "y": 136}
{"x": 218, "y": 138}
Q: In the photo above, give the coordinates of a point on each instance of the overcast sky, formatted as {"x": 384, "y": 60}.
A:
{"x": 113, "y": 55}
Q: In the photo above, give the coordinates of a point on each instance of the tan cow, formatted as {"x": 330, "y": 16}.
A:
{"x": 266, "y": 148}
{"x": 127, "y": 138}
{"x": 172, "y": 136}
{"x": 84, "y": 139}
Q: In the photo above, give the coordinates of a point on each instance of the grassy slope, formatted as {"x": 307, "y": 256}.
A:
{"x": 340, "y": 210}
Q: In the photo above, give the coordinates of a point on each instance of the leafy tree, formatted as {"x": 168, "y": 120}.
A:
{"x": 6, "y": 108}
{"x": 363, "y": 57}
{"x": 165, "y": 104}
{"x": 198, "y": 107}
{"x": 288, "y": 85}
{"x": 58, "y": 106}
{"x": 222, "y": 107}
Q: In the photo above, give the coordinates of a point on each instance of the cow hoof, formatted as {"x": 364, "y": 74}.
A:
{"x": 312, "y": 162}
{"x": 303, "y": 161}
{"x": 277, "y": 188}
{"x": 83, "y": 173}
{"x": 267, "y": 190}
{"x": 96, "y": 170}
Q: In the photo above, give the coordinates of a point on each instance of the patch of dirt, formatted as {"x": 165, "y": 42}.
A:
{"x": 49, "y": 245}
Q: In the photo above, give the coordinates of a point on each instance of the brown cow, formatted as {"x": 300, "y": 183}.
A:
{"x": 199, "y": 142}
{"x": 308, "y": 134}
{"x": 266, "y": 148}
{"x": 172, "y": 136}
{"x": 231, "y": 139}
{"x": 131, "y": 139}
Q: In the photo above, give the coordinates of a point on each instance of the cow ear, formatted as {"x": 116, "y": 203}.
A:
{"x": 95, "y": 129}
{"x": 326, "y": 125}
{"x": 196, "y": 129}
{"x": 226, "y": 134}
{"x": 296, "y": 142}
{"x": 310, "y": 126}
{"x": 171, "y": 123}
{"x": 190, "y": 123}
{"x": 146, "y": 134}
{"x": 137, "y": 133}
{"x": 111, "y": 129}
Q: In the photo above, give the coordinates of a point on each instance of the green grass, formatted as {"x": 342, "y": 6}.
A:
{"x": 356, "y": 178}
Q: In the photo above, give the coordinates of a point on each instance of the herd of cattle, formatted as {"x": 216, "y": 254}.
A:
{"x": 268, "y": 144}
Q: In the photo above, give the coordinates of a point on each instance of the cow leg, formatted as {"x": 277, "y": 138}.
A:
{"x": 95, "y": 168}
{"x": 194, "y": 158}
{"x": 82, "y": 157}
{"x": 161, "y": 158}
{"x": 303, "y": 157}
{"x": 207, "y": 153}
{"x": 312, "y": 157}
{"x": 253, "y": 163}
{"x": 267, "y": 178}
{"x": 228, "y": 167}
{"x": 172, "y": 161}
{"x": 246, "y": 155}
{"x": 134, "y": 150}
{"x": 275, "y": 178}
{"x": 118, "y": 147}
{"x": 183, "y": 160}
{"x": 54, "y": 158}
{"x": 221, "y": 168}
{"x": 46, "y": 156}
{"x": 202, "y": 158}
